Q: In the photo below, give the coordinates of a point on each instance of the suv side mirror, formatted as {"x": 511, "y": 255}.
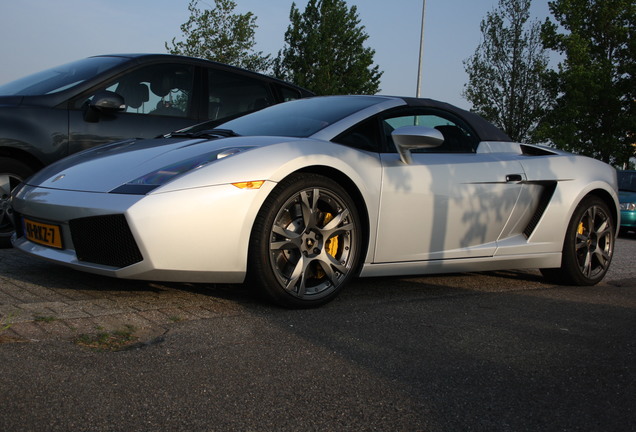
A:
{"x": 104, "y": 102}
{"x": 408, "y": 138}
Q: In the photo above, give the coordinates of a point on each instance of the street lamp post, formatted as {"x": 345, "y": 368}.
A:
{"x": 419, "y": 66}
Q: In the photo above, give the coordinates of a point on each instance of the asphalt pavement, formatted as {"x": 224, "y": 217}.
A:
{"x": 495, "y": 351}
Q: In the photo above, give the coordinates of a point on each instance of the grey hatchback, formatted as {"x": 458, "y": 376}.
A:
{"x": 59, "y": 111}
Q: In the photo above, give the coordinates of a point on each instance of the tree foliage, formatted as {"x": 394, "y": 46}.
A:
{"x": 505, "y": 73}
{"x": 221, "y": 35}
{"x": 594, "y": 88}
{"x": 324, "y": 50}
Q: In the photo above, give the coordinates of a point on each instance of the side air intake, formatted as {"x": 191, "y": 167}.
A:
{"x": 544, "y": 200}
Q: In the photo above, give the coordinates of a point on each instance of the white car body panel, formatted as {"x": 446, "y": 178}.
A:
{"x": 444, "y": 206}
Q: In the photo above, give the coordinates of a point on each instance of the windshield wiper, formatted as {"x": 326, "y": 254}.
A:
{"x": 209, "y": 133}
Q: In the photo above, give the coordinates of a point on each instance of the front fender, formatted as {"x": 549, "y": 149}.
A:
{"x": 275, "y": 162}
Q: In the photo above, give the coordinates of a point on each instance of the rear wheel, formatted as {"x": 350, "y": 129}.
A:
{"x": 306, "y": 242}
{"x": 12, "y": 173}
{"x": 588, "y": 246}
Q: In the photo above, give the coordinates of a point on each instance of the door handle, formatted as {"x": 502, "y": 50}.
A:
{"x": 510, "y": 178}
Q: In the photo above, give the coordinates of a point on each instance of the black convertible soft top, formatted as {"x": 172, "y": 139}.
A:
{"x": 485, "y": 130}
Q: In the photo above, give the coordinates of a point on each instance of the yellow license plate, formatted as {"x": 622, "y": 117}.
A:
{"x": 45, "y": 234}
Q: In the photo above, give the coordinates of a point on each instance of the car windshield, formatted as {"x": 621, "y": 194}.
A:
{"x": 627, "y": 181}
{"x": 300, "y": 118}
{"x": 59, "y": 78}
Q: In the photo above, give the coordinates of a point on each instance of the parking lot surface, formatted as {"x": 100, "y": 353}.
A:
{"x": 42, "y": 300}
{"x": 496, "y": 351}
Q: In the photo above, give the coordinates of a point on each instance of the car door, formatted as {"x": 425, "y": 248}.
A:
{"x": 159, "y": 98}
{"x": 450, "y": 202}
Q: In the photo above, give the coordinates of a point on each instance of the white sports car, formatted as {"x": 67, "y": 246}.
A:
{"x": 299, "y": 197}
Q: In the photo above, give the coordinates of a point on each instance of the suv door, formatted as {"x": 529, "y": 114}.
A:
{"x": 159, "y": 98}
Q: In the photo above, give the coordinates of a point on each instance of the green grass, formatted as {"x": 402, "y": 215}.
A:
{"x": 108, "y": 341}
{"x": 6, "y": 322}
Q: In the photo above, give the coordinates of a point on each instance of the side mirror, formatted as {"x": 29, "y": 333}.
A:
{"x": 104, "y": 102}
{"x": 408, "y": 138}
{"x": 107, "y": 101}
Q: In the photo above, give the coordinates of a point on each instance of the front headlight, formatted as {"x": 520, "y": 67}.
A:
{"x": 147, "y": 182}
{"x": 628, "y": 206}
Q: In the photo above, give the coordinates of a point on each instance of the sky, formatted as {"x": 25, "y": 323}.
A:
{"x": 38, "y": 34}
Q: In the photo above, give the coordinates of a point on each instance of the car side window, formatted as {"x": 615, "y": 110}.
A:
{"x": 159, "y": 90}
{"x": 231, "y": 94}
{"x": 458, "y": 138}
{"x": 363, "y": 136}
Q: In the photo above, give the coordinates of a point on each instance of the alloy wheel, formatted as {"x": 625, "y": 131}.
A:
{"x": 311, "y": 243}
{"x": 594, "y": 242}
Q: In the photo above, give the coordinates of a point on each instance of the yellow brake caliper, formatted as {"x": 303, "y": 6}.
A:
{"x": 331, "y": 246}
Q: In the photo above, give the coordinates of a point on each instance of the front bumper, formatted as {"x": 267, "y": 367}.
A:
{"x": 194, "y": 235}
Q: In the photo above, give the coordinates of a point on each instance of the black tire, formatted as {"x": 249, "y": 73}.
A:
{"x": 12, "y": 173}
{"x": 306, "y": 242}
{"x": 588, "y": 247}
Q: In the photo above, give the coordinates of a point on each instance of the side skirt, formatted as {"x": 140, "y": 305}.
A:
{"x": 545, "y": 260}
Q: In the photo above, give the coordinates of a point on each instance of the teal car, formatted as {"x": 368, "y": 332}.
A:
{"x": 627, "y": 198}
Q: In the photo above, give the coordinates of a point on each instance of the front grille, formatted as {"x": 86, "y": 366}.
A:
{"x": 105, "y": 240}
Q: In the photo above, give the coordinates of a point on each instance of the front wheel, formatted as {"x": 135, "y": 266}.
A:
{"x": 588, "y": 246}
{"x": 305, "y": 242}
{"x": 12, "y": 173}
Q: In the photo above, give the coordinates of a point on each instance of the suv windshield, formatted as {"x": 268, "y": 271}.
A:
{"x": 300, "y": 118}
{"x": 627, "y": 181}
{"x": 59, "y": 78}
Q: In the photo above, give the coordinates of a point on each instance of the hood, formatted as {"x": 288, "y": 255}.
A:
{"x": 107, "y": 167}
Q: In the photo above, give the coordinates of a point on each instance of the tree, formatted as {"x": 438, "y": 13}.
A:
{"x": 594, "y": 88}
{"x": 505, "y": 73}
{"x": 324, "y": 50}
{"x": 219, "y": 34}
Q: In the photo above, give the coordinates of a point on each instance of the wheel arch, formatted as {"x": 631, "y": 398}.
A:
{"x": 572, "y": 271}
{"x": 608, "y": 199}
{"x": 22, "y": 156}
{"x": 355, "y": 193}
